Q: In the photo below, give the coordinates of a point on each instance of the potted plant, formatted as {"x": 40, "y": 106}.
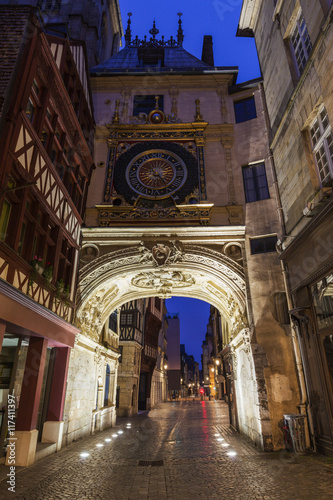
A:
{"x": 59, "y": 286}
{"x": 66, "y": 291}
{"x": 37, "y": 265}
{"x": 48, "y": 273}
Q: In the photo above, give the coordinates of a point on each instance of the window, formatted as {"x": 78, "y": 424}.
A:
{"x": 322, "y": 293}
{"x": 263, "y": 245}
{"x": 30, "y": 110}
{"x": 113, "y": 321}
{"x": 107, "y": 385}
{"x": 255, "y": 182}
{"x": 151, "y": 56}
{"x": 245, "y": 110}
{"x": 4, "y": 218}
{"x": 126, "y": 319}
{"x": 146, "y": 104}
{"x": 301, "y": 43}
{"x": 322, "y": 145}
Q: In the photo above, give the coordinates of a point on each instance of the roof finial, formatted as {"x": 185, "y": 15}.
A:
{"x": 128, "y": 34}
{"x": 154, "y": 31}
{"x": 180, "y": 34}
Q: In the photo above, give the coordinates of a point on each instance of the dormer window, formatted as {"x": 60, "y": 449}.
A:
{"x": 153, "y": 57}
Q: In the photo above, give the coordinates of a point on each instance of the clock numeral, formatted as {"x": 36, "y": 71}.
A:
{"x": 156, "y": 155}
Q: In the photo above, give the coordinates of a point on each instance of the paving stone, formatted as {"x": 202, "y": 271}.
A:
{"x": 195, "y": 464}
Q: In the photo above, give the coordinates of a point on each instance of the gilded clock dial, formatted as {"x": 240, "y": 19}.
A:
{"x": 156, "y": 173}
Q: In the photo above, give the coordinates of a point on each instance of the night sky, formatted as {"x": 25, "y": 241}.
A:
{"x": 193, "y": 319}
{"x": 218, "y": 18}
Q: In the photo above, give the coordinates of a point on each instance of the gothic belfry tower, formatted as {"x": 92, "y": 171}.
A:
{"x": 95, "y": 22}
{"x": 183, "y": 203}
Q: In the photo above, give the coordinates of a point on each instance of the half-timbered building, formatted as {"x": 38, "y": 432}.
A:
{"x": 45, "y": 165}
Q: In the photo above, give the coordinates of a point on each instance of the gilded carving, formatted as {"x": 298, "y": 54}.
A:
{"x": 125, "y": 94}
{"x": 174, "y": 93}
{"x": 108, "y": 213}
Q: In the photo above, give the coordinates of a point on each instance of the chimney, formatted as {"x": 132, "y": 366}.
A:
{"x": 207, "y": 50}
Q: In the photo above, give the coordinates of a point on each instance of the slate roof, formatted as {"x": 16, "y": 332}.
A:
{"x": 13, "y": 20}
{"x": 176, "y": 59}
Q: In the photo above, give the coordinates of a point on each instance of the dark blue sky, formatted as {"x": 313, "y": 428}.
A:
{"x": 193, "y": 316}
{"x": 218, "y": 18}
{"x": 200, "y": 17}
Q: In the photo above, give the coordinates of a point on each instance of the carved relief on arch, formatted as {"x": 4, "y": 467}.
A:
{"x": 191, "y": 261}
{"x": 90, "y": 318}
{"x": 89, "y": 253}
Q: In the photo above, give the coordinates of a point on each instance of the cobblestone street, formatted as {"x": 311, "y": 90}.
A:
{"x": 181, "y": 450}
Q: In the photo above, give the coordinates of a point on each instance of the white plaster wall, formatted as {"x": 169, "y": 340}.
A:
{"x": 247, "y": 397}
{"x": 80, "y": 414}
{"x": 80, "y": 395}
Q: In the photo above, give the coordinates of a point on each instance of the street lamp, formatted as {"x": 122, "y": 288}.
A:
{"x": 165, "y": 367}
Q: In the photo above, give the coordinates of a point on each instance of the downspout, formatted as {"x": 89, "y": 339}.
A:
{"x": 304, "y": 403}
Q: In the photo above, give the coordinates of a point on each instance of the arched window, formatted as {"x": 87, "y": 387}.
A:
{"x": 107, "y": 385}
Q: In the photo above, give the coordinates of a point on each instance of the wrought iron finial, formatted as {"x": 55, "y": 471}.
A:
{"x": 157, "y": 98}
{"x": 198, "y": 115}
{"x": 154, "y": 31}
{"x": 128, "y": 34}
{"x": 180, "y": 34}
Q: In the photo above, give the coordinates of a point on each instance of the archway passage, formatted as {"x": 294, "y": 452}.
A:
{"x": 125, "y": 264}
{"x": 207, "y": 263}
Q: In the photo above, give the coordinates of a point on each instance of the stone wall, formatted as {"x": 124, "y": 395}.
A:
{"x": 129, "y": 378}
{"x": 84, "y": 410}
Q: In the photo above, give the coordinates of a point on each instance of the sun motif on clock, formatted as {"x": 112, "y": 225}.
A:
{"x": 156, "y": 173}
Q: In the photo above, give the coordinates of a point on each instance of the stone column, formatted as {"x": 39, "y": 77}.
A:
{"x": 26, "y": 433}
{"x": 53, "y": 427}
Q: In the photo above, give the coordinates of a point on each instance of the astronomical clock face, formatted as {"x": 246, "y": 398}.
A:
{"x": 155, "y": 172}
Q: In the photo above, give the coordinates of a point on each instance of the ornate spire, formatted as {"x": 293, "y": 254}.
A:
{"x": 154, "y": 31}
{"x": 180, "y": 34}
{"x": 128, "y": 34}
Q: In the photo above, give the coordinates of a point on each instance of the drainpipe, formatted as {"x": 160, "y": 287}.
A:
{"x": 296, "y": 347}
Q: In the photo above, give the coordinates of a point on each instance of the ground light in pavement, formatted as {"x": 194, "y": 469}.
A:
{"x": 99, "y": 445}
{"x": 120, "y": 432}
{"x": 225, "y": 444}
{"x": 114, "y": 435}
{"x": 84, "y": 454}
{"x": 231, "y": 453}
{"x": 108, "y": 440}
{"x": 216, "y": 435}
{"x": 220, "y": 439}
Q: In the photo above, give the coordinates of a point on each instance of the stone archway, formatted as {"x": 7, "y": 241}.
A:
{"x": 124, "y": 264}
{"x": 134, "y": 264}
